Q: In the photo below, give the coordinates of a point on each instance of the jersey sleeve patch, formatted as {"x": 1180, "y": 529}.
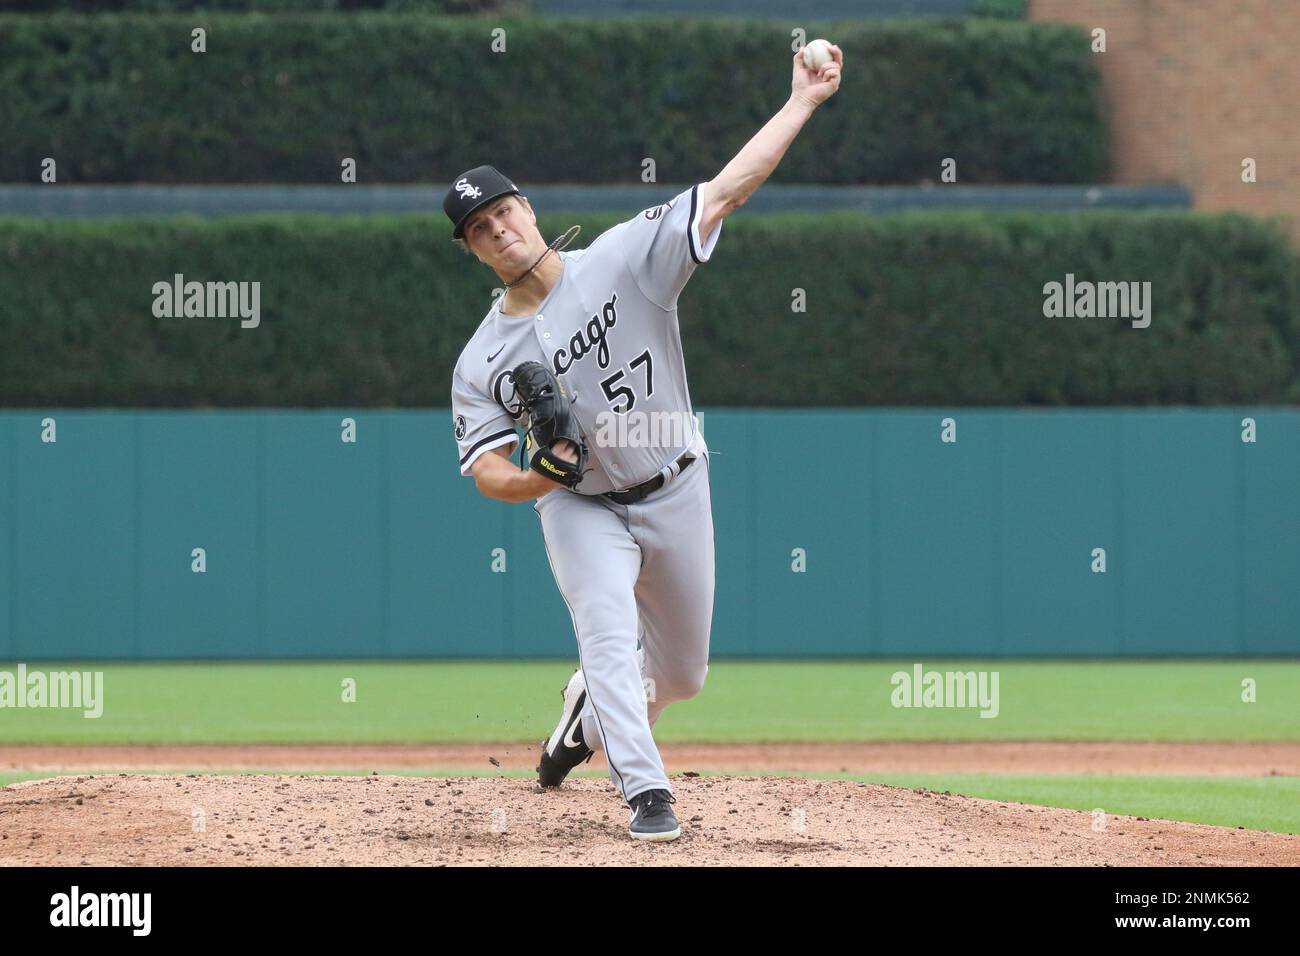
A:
{"x": 479, "y": 423}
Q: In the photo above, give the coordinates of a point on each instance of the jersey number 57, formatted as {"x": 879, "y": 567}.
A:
{"x": 613, "y": 393}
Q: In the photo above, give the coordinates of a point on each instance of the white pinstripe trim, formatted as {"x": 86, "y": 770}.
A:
{"x": 510, "y": 439}
{"x": 702, "y": 251}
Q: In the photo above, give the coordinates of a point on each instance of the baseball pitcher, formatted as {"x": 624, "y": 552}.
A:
{"x": 583, "y": 354}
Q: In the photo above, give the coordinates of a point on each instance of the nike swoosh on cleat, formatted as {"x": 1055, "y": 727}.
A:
{"x": 568, "y": 737}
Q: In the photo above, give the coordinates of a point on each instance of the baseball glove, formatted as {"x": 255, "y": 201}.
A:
{"x": 550, "y": 421}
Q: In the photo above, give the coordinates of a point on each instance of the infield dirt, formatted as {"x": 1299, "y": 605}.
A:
{"x": 384, "y": 820}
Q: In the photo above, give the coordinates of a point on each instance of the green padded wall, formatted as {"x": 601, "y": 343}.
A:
{"x": 913, "y": 547}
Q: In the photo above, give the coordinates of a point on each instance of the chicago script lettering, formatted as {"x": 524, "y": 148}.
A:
{"x": 592, "y": 336}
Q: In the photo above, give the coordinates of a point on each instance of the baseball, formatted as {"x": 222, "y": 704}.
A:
{"x": 817, "y": 54}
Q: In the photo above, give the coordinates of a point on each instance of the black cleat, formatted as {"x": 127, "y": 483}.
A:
{"x": 653, "y": 818}
{"x": 566, "y": 749}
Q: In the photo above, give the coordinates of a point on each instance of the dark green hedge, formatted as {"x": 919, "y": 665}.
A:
{"x": 1003, "y": 9}
{"x": 413, "y": 98}
{"x": 907, "y": 310}
{"x": 264, "y": 6}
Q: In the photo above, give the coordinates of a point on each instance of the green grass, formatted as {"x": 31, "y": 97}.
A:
{"x": 743, "y": 702}
{"x": 1257, "y": 803}
{"x": 8, "y": 777}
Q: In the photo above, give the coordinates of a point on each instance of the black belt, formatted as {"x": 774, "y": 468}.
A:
{"x": 633, "y": 495}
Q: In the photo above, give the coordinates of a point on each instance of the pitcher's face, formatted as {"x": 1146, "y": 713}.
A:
{"x": 504, "y": 235}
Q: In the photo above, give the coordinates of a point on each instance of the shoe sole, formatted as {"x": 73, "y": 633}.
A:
{"x": 664, "y": 837}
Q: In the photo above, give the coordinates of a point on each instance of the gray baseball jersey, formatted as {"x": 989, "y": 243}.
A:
{"x": 609, "y": 331}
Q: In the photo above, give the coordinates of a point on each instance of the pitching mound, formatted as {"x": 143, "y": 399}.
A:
{"x": 358, "y": 821}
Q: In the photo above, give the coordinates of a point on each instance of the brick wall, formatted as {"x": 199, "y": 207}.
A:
{"x": 1194, "y": 87}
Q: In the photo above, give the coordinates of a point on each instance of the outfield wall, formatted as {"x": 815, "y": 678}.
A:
{"x": 913, "y": 547}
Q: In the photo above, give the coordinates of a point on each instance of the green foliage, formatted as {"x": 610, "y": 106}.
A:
{"x": 267, "y": 6}
{"x": 1001, "y": 9}
{"x": 412, "y": 97}
{"x": 927, "y": 309}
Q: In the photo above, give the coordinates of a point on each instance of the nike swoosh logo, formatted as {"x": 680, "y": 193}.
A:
{"x": 568, "y": 737}
{"x": 496, "y": 353}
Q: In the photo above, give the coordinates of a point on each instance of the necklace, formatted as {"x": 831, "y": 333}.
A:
{"x": 556, "y": 246}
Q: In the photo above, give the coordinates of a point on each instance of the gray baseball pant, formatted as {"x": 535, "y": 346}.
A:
{"x": 627, "y": 572}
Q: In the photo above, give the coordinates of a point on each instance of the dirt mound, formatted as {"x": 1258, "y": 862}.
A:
{"x": 358, "y": 821}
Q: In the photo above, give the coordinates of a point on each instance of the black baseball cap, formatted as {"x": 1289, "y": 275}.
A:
{"x": 472, "y": 189}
